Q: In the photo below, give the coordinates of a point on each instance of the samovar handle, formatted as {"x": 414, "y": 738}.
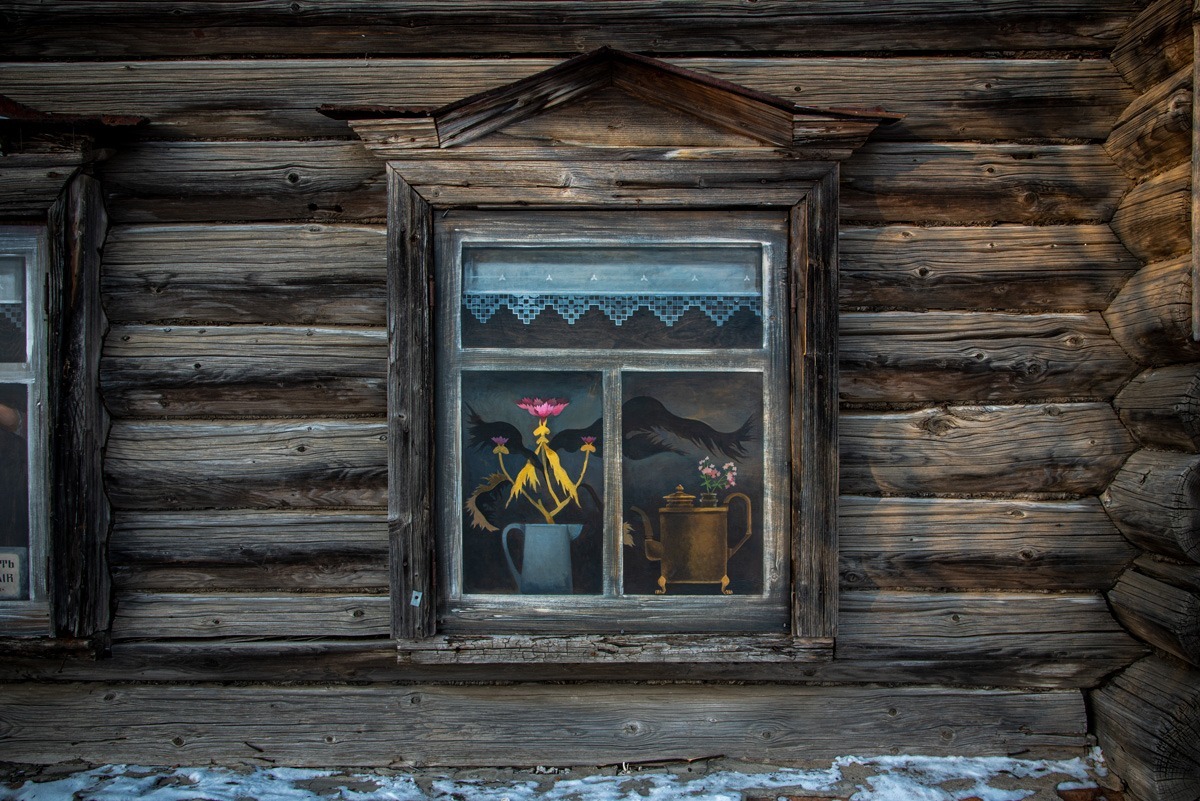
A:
{"x": 749, "y": 521}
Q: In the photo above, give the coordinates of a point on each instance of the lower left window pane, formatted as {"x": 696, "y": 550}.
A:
{"x": 532, "y": 478}
{"x": 14, "y": 492}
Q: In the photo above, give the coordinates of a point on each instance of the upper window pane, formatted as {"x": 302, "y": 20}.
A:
{"x": 677, "y": 297}
{"x": 12, "y": 309}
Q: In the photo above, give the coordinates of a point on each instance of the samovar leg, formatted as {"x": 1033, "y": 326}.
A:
{"x": 725, "y": 586}
{"x": 662, "y": 586}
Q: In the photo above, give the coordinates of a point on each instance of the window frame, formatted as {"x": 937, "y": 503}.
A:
{"x": 808, "y": 193}
{"x": 31, "y": 616}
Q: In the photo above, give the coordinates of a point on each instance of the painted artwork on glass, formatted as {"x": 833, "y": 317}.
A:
{"x": 14, "y": 492}
{"x": 12, "y": 310}
{"x": 533, "y": 482}
{"x": 692, "y": 481}
{"x": 635, "y": 297}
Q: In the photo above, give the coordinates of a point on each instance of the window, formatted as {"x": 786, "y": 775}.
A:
{"x": 24, "y": 607}
{"x": 662, "y": 332}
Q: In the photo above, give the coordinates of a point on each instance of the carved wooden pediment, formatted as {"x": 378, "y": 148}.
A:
{"x": 613, "y": 99}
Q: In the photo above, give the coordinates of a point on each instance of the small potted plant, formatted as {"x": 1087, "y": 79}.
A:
{"x": 715, "y": 479}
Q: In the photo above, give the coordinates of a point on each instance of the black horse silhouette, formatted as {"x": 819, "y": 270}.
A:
{"x": 646, "y": 423}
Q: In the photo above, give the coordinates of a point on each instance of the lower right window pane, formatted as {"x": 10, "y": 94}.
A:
{"x": 692, "y": 473}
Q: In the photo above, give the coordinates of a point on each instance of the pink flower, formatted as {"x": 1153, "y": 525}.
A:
{"x": 550, "y": 407}
{"x": 500, "y": 440}
{"x": 588, "y": 440}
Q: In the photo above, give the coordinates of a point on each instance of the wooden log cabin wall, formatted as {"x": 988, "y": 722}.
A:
{"x": 1018, "y": 440}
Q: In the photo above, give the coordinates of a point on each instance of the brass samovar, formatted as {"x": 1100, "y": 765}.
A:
{"x": 693, "y": 542}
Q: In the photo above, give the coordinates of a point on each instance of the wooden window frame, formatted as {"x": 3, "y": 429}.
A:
{"x": 808, "y": 193}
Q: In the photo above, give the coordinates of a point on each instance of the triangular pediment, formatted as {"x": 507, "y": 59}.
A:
{"x": 591, "y": 94}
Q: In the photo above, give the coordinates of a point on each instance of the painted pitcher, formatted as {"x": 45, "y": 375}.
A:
{"x": 545, "y": 557}
{"x": 693, "y": 542}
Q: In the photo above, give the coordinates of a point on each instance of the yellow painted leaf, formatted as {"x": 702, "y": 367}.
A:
{"x": 560, "y": 475}
{"x": 528, "y": 475}
{"x": 477, "y": 518}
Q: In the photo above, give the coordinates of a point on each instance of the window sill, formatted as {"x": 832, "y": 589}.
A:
{"x": 591, "y": 649}
{"x": 24, "y": 619}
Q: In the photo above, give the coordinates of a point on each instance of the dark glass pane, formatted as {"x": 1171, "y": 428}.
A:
{"x": 552, "y": 526}
{"x": 12, "y": 309}
{"x": 612, "y": 297}
{"x": 686, "y": 433}
{"x": 14, "y": 492}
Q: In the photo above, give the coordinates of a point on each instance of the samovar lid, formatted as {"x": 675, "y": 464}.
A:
{"x": 678, "y": 498}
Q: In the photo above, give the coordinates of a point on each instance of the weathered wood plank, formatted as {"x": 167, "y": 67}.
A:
{"x": 1151, "y": 317}
{"x": 1157, "y": 42}
{"x": 961, "y": 450}
{"x": 524, "y": 724}
{"x": 1163, "y": 615}
{"x": 360, "y": 660}
{"x": 1020, "y": 268}
{"x": 902, "y": 625}
{"x": 1154, "y": 221}
{"x": 238, "y": 371}
{"x": 231, "y": 464}
{"x": 1180, "y": 574}
{"x": 976, "y": 184}
{"x": 940, "y": 543}
{"x": 1148, "y": 723}
{"x": 79, "y": 421}
{"x": 943, "y": 98}
{"x": 1161, "y": 407}
{"x": 319, "y": 180}
{"x": 250, "y": 550}
{"x": 1155, "y": 132}
{"x": 171, "y": 615}
{"x": 399, "y": 27}
{"x": 285, "y": 274}
{"x": 30, "y": 182}
{"x": 902, "y": 357}
{"x": 1155, "y": 501}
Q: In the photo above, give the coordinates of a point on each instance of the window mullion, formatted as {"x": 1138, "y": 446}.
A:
{"x": 613, "y": 486}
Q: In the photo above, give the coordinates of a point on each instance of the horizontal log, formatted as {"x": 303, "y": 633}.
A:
{"x": 237, "y": 371}
{"x": 963, "y": 450}
{"x": 250, "y": 550}
{"x": 1151, "y": 317}
{"x": 1161, "y": 407}
{"x": 30, "y": 182}
{"x": 943, "y": 98}
{"x": 1155, "y": 502}
{"x": 1148, "y": 723}
{"x": 525, "y": 724}
{"x": 1014, "y": 267}
{"x": 174, "y": 615}
{"x": 1005, "y": 626}
{"x": 1156, "y": 43}
{"x": 941, "y": 543}
{"x": 901, "y": 357}
{"x": 360, "y": 660}
{"x": 236, "y": 464}
{"x": 885, "y": 182}
{"x": 321, "y": 180}
{"x": 399, "y": 27}
{"x": 979, "y": 184}
{"x": 284, "y": 274}
{"x": 1183, "y": 575}
{"x": 1161, "y": 614}
{"x": 1154, "y": 221}
{"x": 1155, "y": 132}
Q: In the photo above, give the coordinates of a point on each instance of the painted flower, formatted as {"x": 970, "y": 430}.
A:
{"x": 501, "y": 443}
{"x": 542, "y": 409}
{"x": 589, "y": 445}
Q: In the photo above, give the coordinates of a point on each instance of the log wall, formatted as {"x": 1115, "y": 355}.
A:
{"x": 1146, "y": 716}
{"x": 245, "y": 371}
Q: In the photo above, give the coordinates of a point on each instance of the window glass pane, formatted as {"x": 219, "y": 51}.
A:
{"x": 686, "y": 434}
{"x": 600, "y": 297}
{"x": 533, "y": 482}
{"x": 12, "y": 309}
{"x": 14, "y": 492}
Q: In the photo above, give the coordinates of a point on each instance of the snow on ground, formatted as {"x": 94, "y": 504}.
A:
{"x": 879, "y": 778}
